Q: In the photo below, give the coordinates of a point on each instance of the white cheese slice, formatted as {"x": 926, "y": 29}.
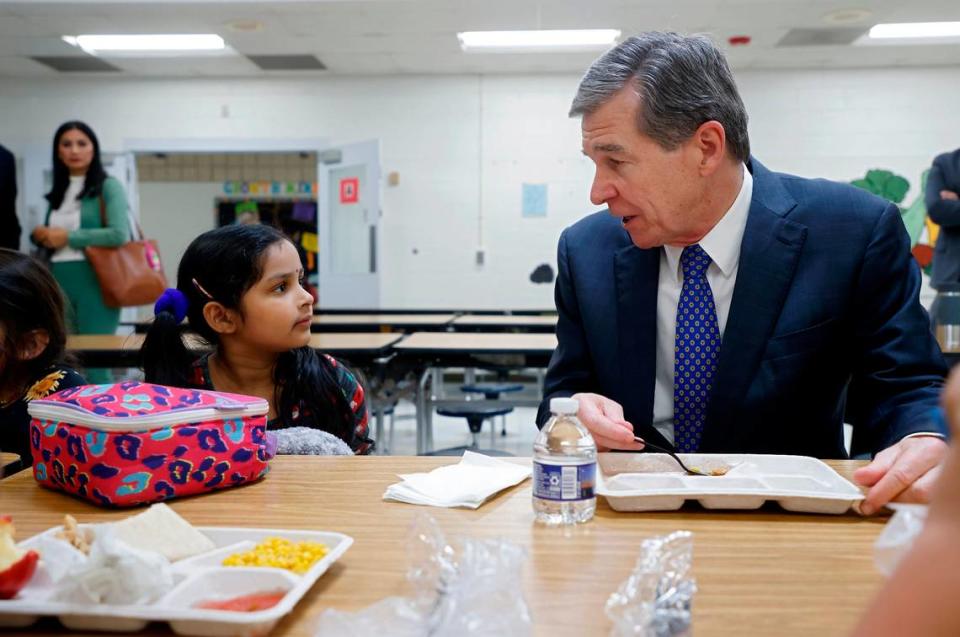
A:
{"x": 160, "y": 529}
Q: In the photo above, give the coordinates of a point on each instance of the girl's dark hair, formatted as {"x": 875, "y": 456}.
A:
{"x": 30, "y": 299}
{"x": 225, "y": 263}
{"x": 93, "y": 184}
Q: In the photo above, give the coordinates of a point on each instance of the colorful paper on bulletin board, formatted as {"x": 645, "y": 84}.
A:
{"x": 350, "y": 190}
{"x": 309, "y": 241}
{"x": 247, "y": 212}
{"x": 304, "y": 211}
{"x": 269, "y": 187}
{"x": 534, "y": 200}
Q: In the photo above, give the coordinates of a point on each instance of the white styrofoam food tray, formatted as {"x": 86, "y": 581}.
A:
{"x": 198, "y": 578}
{"x": 655, "y": 482}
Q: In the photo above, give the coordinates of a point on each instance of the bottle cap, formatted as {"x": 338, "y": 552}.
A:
{"x": 564, "y": 405}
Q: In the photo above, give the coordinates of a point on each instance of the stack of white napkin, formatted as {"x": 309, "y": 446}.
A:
{"x": 467, "y": 484}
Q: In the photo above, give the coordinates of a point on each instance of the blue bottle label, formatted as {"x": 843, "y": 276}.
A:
{"x": 564, "y": 482}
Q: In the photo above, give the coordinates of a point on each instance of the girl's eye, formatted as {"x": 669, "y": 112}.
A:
{"x": 282, "y": 287}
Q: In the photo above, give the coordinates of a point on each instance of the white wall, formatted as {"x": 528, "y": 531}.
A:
{"x": 463, "y": 145}
{"x": 173, "y": 213}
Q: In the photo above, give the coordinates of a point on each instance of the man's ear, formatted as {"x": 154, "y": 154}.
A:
{"x": 221, "y": 319}
{"x": 32, "y": 344}
{"x": 711, "y": 142}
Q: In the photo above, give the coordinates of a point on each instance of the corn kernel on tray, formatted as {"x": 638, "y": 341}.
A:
{"x": 285, "y": 562}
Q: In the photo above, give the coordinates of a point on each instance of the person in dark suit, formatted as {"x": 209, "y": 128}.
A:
{"x": 943, "y": 206}
{"x": 9, "y": 225}
{"x": 716, "y": 306}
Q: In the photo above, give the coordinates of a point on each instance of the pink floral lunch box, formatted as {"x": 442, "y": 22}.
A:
{"x": 131, "y": 443}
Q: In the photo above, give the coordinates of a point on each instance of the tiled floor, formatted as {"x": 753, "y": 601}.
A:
{"x": 453, "y": 432}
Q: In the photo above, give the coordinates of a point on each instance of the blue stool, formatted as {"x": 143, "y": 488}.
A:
{"x": 475, "y": 415}
{"x": 492, "y": 391}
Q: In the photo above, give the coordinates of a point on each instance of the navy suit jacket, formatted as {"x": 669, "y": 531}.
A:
{"x": 825, "y": 325}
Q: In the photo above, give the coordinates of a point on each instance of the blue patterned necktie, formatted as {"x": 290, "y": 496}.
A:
{"x": 696, "y": 350}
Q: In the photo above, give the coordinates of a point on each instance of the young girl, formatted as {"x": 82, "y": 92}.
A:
{"x": 240, "y": 287}
{"x": 32, "y": 347}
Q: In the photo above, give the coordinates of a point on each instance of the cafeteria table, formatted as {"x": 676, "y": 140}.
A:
{"x": 504, "y": 323}
{"x": 381, "y": 322}
{"x": 760, "y": 572}
{"x": 425, "y": 351}
{"x": 116, "y": 350}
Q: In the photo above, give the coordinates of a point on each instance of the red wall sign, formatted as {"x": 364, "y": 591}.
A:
{"x": 350, "y": 190}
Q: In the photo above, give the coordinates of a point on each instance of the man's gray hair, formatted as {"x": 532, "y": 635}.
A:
{"x": 682, "y": 81}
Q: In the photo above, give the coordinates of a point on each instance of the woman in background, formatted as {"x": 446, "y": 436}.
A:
{"x": 81, "y": 190}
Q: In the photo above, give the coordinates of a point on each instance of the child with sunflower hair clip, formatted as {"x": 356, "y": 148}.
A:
{"x": 33, "y": 358}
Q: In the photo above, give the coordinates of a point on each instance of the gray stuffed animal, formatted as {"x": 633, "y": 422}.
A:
{"x": 306, "y": 441}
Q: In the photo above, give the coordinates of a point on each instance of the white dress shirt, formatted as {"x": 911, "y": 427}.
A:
{"x": 722, "y": 245}
{"x": 67, "y": 216}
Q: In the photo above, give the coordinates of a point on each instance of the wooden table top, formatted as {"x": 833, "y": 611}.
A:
{"x": 477, "y": 342}
{"x": 327, "y": 341}
{"x": 383, "y": 319}
{"x": 763, "y": 572}
{"x": 5, "y": 459}
{"x": 484, "y": 320}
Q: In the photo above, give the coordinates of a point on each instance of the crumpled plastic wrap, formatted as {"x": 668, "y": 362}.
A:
{"x": 898, "y": 535}
{"x": 656, "y": 599}
{"x": 114, "y": 573}
{"x": 465, "y": 588}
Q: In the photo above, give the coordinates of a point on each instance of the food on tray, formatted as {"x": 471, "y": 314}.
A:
{"x": 714, "y": 471}
{"x": 17, "y": 566}
{"x": 160, "y": 529}
{"x": 280, "y": 553}
{"x": 245, "y": 603}
{"x": 115, "y": 573}
{"x": 76, "y": 537}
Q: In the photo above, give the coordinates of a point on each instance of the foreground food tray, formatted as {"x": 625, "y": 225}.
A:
{"x": 654, "y": 482}
{"x": 201, "y": 577}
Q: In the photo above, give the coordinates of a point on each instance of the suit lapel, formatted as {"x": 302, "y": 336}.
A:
{"x": 769, "y": 253}
{"x": 637, "y": 275}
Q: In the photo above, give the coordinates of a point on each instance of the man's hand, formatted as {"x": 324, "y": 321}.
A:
{"x": 40, "y": 234}
{"x": 949, "y": 194}
{"x": 945, "y": 508}
{"x": 906, "y": 472}
{"x": 56, "y": 238}
{"x": 604, "y": 418}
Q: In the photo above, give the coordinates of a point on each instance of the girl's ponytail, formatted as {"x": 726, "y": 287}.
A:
{"x": 164, "y": 356}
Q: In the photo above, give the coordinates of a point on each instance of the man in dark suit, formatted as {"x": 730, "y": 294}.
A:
{"x": 943, "y": 206}
{"x": 719, "y": 307}
{"x": 9, "y": 226}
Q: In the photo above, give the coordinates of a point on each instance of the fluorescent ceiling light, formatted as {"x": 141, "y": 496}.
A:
{"x": 916, "y": 30}
{"x": 147, "y": 43}
{"x": 522, "y": 41}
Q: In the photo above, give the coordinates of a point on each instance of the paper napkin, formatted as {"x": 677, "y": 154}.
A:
{"x": 466, "y": 484}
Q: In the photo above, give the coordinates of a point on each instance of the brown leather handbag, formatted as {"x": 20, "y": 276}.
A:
{"x": 130, "y": 274}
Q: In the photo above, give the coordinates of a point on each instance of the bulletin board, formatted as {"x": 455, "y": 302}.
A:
{"x": 297, "y": 218}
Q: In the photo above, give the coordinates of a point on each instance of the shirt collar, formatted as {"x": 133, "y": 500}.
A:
{"x": 722, "y": 243}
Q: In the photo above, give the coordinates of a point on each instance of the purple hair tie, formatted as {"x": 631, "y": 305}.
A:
{"x": 174, "y": 301}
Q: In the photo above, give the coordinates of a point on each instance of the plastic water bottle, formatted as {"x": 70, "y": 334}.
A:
{"x": 564, "y": 467}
